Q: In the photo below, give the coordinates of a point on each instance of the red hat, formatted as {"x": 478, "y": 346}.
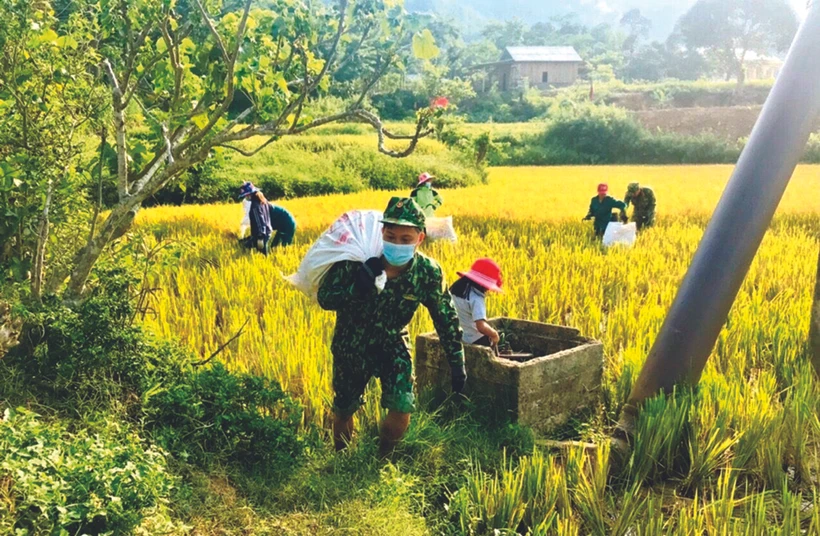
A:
{"x": 486, "y": 273}
{"x": 603, "y": 188}
{"x": 425, "y": 177}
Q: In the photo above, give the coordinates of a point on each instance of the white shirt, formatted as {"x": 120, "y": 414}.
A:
{"x": 470, "y": 311}
{"x": 246, "y": 221}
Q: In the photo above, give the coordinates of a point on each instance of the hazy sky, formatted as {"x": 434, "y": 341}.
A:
{"x": 663, "y": 12}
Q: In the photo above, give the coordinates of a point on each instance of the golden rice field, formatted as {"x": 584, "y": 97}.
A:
{"x": 752, "y": 432}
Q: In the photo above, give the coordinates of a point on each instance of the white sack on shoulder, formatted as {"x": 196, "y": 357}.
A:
{"x": 355, "y": 236}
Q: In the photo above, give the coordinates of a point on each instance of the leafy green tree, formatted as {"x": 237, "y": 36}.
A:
{"x": 638, "y": 28}
{"x": 730, "y": 29}
{"x": 49, "y": 98}
{"x": 506, "y": 34}
{"x": 657, "y": 61}
{"x": 171, "y": 71}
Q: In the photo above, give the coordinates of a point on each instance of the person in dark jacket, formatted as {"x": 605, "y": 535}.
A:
{"x": 601, "y": 209}
{"x": 264, "y": 219}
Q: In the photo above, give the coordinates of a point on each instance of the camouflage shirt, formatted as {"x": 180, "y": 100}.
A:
{"x": 643, "y": 203}
{"x": 374, "y": 317}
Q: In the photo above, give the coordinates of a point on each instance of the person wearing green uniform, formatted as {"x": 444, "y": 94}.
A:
{"x": 601, "y": 209}
{"x": 371, "y": 337}
{"x": 642, "y": 198}
{"x": 428, "y": 199}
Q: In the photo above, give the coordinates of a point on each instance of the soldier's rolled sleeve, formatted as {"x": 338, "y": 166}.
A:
{"x": 338, "y": 289}
{"x": 445, "y": 319}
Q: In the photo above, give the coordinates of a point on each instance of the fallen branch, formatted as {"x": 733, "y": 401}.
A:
{"x": 222, "y": 348}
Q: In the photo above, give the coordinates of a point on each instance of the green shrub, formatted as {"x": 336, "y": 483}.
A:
{"x": 341, "y": 159}
{"x": 398, "y": 105}
{"x": 103, "y": 481}
{"x": 215, "y": 415}
{"x": 92, "y": 352}
{"x": 812, "y": 153}
{"x": 598, "y": 135}
{"x": 92, "y": 357}
{"x": 329, "y": 164}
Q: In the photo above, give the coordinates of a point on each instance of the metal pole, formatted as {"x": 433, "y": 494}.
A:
{"x": 738, "y": 226}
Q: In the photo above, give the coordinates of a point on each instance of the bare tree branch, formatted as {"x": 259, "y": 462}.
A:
{"x": 223, "y": 346}
{"x": 119, "y": 126}
{"x": 379, "y": 126}
{"x": 159, "y": 160}
{"x": 269, "y": 129}
{"x": 98, "y": 206}
{"x": 250, "y": 153}
{"x": 168, "y": 146}
{"x": 309, "y": 87}
{"x": 40, "y": 251}
{"x": 231, "y": 69}
{"x": 372, "y": 82}
{"x": 214, "y": 32}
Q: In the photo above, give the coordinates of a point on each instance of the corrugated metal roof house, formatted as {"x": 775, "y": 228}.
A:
{"x": 539, "y": 67}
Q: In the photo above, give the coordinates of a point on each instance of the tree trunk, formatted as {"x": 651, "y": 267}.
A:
{"x": 116, "y": 225}
{"x": 814, "y": 336}
{"x": 40, "y": 252}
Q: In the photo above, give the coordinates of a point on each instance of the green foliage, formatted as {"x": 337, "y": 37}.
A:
{"x": 216, "y": 415}
{"x": 399, "y": 105}
{"x": 47, "y": 97}
{"x": 91, "y": 358}
{"x": 321, "y": 165}
{"x": 729, "y": 29}
{"x": 590, "y": 135}
{"x": 102, "y": 480}
{"x": 91, "y": 353}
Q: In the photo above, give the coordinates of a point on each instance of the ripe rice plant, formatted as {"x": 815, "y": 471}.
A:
{"x": 737, "y": 454}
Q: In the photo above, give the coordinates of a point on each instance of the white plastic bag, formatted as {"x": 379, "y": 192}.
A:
{"x": 441, "y": 229}
{"x": 619, "y": 233}
{"x": 355, "y": 236}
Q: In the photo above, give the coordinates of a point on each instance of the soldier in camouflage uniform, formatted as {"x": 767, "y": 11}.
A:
{"x": 371, "y": 337}
{"x": 642, "y": 199}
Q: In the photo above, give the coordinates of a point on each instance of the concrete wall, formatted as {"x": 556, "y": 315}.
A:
{"x": 559, "y": 74}
{"x": 512, "y": 76}
{"x": 543, "y": 393}
{"x": 762, "y": 70}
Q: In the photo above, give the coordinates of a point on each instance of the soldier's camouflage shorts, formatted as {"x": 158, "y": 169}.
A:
{"x": 390, "y": 361}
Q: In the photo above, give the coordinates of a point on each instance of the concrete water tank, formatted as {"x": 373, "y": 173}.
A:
{"x": 553, "y": 374}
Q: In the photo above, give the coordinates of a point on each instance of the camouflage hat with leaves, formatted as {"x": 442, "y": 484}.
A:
{"x": 633, "y": 188}
{"x": 404, "y": 211}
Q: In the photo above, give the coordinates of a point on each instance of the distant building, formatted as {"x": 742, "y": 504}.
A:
{"x": 535, "y": 67}
{"x": 760, "y": 67}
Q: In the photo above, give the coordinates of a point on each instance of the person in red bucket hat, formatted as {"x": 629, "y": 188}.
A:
{"x": 428, "y": 199}
{"x": 601, "y": 208}
{"x": 469, "y": 294}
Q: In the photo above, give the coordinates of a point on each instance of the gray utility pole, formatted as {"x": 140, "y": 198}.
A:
{"x": 738, "y": 226}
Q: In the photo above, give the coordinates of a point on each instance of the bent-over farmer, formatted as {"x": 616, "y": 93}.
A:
{"x": 642, "y": 198}
{"x": 601, "y": 209}
{"x": 371, "y": 337}
{"x": 271, "y": 225}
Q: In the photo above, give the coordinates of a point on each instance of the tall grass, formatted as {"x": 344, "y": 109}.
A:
{"x": 736, "y": 456}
